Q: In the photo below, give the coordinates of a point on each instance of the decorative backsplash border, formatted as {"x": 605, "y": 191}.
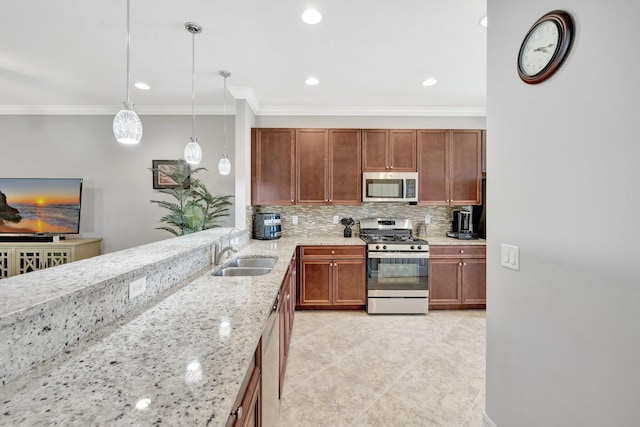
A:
{"x": 318, "y": 220}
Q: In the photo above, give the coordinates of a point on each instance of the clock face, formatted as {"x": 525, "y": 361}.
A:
{"x": 539, "y": 47}
{"x": 545, "y": 46}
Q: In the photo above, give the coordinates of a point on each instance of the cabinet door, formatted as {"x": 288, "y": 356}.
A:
{"x": 345, "y": 166}
{"x": 315, "y": 282}
{"x": 28, "y": 260}
{"x": 349, "y": 282}
{"x": 55, "y": 256}
{"x": 250, "y": 415}
{"x": 402, "y": 150}
{"x": 272, "y": 166}
{"x": 312, "y": 157}
{"x": 444, "y": 282}
{"x": 433, "y": 170}
{"x": 375, "y": 157}
{"x": 465, "y": 154}
{"x": 474, "y": 281}
{"x": 6, "y": 262}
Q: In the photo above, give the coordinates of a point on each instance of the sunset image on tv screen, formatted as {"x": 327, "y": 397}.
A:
{"x": 39, "y": 205}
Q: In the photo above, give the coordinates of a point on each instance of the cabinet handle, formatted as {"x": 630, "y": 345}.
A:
{"x": 331, "y": 200}
{"x": 237, "y": 413}
{"x": 459, "y": 263}
{"x": 464, "y": 263}
{"x": 461, "y": 251}
{"x": 390, "y": 167}
{"x": 333, "y": 252}
{"x": 291, "y": 200}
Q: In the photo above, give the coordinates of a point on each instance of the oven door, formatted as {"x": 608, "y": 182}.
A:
{"x": 397, "y": 274}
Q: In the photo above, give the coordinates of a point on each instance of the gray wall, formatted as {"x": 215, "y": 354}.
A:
{"x": 563, "y": 336}
{"x": 117, "y": 182}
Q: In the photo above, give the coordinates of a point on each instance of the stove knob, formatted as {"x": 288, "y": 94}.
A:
{"x": 384, "y": 247}
{"x": 377, "y": 246}
{"x": 413, "y": 247}
{"x": 419, "y": 247}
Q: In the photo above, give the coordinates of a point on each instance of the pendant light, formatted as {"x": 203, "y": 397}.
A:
{"x": 193, "y": 152}
{"x": 127, "y": 127}
{"x": 224, "y": 165}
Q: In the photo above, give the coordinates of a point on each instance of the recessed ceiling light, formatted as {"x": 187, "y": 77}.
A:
{"x": 311, "y": 16}
{"x": 312, "y": 81}
{"x": 483, "y": 21}
{"x": 429, "y": 82}
{"x": 143, "y": 86}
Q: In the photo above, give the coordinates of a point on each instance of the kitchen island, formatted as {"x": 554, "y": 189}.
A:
{"x": 178, "y": 361}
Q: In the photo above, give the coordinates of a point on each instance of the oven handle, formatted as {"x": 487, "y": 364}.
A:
{"x": 388, "y": 255}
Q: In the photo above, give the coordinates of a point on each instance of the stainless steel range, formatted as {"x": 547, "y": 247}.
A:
{"x": 397, "y": 267}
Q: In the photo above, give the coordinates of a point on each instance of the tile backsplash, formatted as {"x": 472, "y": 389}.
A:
{"x": 315, "y": 220}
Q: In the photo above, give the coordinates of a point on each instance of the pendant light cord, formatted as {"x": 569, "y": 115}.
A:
{"x": 224, "y": 124}
{"x": 128, "y": 54}
{"x": 193, "y": 85}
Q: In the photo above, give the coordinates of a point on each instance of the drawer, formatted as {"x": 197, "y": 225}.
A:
{"x": 457, "y": 251}
{"x": 332, "y": 251}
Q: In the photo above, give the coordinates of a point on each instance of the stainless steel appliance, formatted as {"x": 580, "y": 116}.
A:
{"x": 390, "y": 187}
{"x": 271, "y": 367}
{"x": 267, "y": 226}
{"x": 397, "y": 267}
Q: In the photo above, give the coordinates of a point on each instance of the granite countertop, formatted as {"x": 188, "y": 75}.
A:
{"x": 444, "y": 240}
{"x": 180, "y": 361}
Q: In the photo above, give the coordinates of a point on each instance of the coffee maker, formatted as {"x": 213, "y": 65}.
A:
{"x": 267, "y": 226}
{"x": 461, "y": 225}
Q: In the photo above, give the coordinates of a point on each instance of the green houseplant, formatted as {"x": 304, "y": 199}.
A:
{"x": 194, "y": 208}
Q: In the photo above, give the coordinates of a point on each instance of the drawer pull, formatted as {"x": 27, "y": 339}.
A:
{"x": 237, "y": 413}
{"x": 461, "y": 251}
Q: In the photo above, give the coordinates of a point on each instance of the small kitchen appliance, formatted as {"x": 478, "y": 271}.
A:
{"x": 267, "y": 226}
{"x": 461, "y": 226}
{"x": 397, "y": 267}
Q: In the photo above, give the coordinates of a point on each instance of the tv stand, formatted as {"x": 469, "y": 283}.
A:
{"x": 35, "y": 238}
{"x": 25, "y": 256}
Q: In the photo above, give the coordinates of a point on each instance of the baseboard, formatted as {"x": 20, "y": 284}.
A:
{"x": 486, "y": 421}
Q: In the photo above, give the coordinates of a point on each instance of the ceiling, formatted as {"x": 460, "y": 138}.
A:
{"x": 370, "y": 56}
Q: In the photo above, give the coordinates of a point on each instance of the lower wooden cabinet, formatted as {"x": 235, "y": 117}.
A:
{"x": 247, "y": 409}
{"x": 287, "y": 312}
{"x": 24, "y": 257}
{"x": 332, "y": 277}
{"x": 457, "y": 277}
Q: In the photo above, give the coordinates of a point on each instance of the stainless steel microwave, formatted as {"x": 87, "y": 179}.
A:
{"x": 390, "y": 187}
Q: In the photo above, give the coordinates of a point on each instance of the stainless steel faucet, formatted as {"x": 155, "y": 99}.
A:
{"x": 220, "y": 251}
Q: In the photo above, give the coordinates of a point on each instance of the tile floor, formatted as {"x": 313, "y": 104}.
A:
{"x": 353, "y": 369}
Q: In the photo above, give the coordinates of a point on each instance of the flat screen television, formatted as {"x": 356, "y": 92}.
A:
{"x": 40, "y": 205}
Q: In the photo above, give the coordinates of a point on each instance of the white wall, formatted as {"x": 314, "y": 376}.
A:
{"x": 117, "y": 181}
{"x": 563, "y": 334}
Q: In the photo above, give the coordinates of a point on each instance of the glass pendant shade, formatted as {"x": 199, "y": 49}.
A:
{"x": 224, "y": 165}
{"x": 193, "y": 152}
{"x": 127, "y": 127}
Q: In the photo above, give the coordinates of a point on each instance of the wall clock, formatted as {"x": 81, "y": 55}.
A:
{"x": 545, "y": 46}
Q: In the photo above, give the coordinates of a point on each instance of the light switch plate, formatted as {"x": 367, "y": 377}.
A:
{"x": 510, "y": 257}
{"x": 294, "y": 219}
{"x": 335, "y": 219}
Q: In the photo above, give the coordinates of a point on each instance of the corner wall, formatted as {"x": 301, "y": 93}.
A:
{"x": 563, "y": 332}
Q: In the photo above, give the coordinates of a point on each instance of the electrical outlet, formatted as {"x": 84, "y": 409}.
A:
{"x": 335, "y": 219}
{"x": 294, "y": 220}
{"x": 137, "y": 287}
{"x": 427, "y": 219}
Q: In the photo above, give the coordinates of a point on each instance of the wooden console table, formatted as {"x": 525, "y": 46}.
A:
{"x": 23, "y": 257}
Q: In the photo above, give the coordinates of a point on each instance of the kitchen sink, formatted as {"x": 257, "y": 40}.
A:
{"x": 266, "y": 262}
{"x": 242, "y": 271}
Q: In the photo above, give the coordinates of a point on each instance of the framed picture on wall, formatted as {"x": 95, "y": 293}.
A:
{"x": 169, "y": 173}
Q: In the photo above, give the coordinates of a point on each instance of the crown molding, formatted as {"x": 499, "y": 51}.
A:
{"x": 248, "y": 94}
{"x": 110, "y": 110}
{"x": 375, "y": 111}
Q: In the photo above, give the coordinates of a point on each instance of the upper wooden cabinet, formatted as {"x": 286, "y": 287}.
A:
{"x": 328, "y": 166}
{"x": 449, "y": 166}
{"x": 273, "y": 159}
{"x": 389, "y": 150}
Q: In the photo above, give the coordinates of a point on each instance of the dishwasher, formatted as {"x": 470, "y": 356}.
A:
{"x": 271, "y": 367}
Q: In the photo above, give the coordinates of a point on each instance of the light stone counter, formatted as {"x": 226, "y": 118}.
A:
{"x": 184, "y": 357}
{"x": 443, "y": 240}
